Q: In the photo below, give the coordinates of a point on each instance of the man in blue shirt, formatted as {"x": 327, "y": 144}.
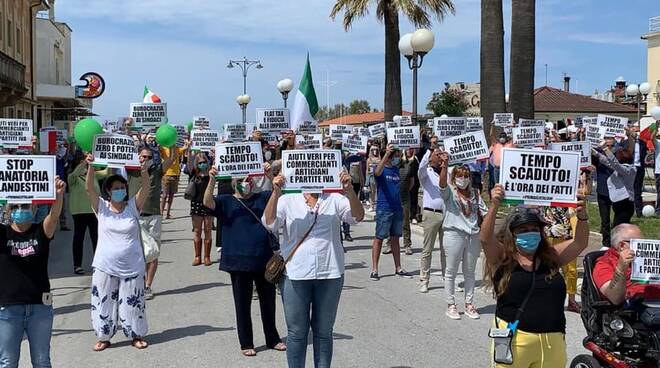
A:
{"x": 389, "y": 211}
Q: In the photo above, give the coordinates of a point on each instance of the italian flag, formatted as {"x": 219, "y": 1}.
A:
{"x": 305, "y": 105}
{"x": 647, "y": 130}
{"x": 149, "y": 96}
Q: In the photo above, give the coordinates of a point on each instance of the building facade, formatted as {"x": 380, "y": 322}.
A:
{"x": 653, "y": 62}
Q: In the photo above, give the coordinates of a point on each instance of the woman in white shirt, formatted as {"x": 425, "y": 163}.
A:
{"x": 315, "y": 275}
{"x": 119, "y": 265}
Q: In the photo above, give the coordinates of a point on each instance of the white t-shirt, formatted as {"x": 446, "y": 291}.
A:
{"x": 119, "y": 251}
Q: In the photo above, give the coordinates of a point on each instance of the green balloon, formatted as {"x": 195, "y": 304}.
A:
{"x": 189, "y": 126}
{"x": 84, "y": 133}
{"x": 166, "y": 135}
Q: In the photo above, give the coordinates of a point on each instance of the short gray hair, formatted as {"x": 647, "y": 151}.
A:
{"x": 618, "y": 233}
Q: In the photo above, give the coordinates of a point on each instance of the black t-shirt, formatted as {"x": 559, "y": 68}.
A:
{"x": 544, "y": 312}
{"x": 23, "y": 265}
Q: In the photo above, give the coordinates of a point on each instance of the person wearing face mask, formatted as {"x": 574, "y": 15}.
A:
{"x": 25, "y": 297}
{"x": 372, "y": 163}
{"x": 245, "y": 257}
{"x": 522, "y": 270}
{"x": 464, "y": 208}
{"x": 119, "y": 265}
{"x": 201, "y": 216}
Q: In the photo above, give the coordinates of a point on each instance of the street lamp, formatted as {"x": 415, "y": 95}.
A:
{"x": 638, "y": 95}
{"x": 414, "y": 46}
{"x": 244, "y": 64}
{"x": 285, "y": 86}
{"x": 243, "y": 101}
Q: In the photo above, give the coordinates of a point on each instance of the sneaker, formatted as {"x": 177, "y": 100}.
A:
{"x": 471, "y": 311}
{"x": 414, "y": 221}
{"x": 148, "y": 293}
{"x": 78, "y": 271}
{"x": 408, "y": 251}
{"x": 387, "y": 249}
{"x": 348, "y": 237}
{"x": 424, "y": 287}
{"x": 404, "y": 274}
{"x": 452, "y": 312}
{"x": 374, "y": 276}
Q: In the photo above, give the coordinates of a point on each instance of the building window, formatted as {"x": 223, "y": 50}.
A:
{"x": 9, "y": 32}
{"x": 19, "y": 40}
{"x": 10, "y": 112}
{"x": 19, "y": 114}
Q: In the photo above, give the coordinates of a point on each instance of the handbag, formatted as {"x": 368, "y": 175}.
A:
{"x": 191, "y": 190}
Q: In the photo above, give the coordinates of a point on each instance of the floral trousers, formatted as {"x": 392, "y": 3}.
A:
{"x": 118, "y": 302}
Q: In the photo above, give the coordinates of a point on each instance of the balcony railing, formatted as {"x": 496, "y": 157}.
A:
{"x": 654, "y": 24}
{"x": 12, "y": 73}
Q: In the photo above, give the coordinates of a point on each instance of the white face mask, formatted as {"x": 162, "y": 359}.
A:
{"x": 268, "y": 155}
{"x": 462, "y": 183}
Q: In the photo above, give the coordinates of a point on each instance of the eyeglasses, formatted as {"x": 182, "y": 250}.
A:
{"x": 21, "y": 206}
{"x": 148, "y": 157}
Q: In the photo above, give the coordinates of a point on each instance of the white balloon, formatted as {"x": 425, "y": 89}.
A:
{"x": 648, "y": 211}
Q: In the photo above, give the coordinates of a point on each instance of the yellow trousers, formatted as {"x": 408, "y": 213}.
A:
{"x": 532, "y": 350}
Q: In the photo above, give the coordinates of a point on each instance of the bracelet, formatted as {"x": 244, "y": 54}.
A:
{"x": 582, "y": 219}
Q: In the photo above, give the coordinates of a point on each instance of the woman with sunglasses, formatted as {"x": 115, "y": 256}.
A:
{"x": 201, "y": 216}
{"x": 25, "y": 298}
{"x": 522, "y": 269}
{"x": 464, "y": 208}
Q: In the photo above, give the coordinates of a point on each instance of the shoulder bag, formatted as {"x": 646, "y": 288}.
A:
{"x": 191, "y": 190}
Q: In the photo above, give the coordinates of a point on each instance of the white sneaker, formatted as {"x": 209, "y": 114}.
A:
{"x": 471, "y": 311}
{"x": 452, "y": 312}
{"x": 424, "y": 287}
{"x": 414, "y": 221}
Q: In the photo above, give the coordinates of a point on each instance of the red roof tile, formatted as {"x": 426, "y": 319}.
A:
{"x": 548, "y": 99}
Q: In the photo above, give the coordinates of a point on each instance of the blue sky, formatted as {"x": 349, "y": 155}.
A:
{"x": 180, "y": 49}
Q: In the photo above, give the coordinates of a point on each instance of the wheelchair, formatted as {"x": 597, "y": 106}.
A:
{"x": 616, "y": 337}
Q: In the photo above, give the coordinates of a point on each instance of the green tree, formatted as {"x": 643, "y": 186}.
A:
{"x": 359, "y": 107}
{"x": 418, "y": 12}
{"x": 523, "y": 44}
{"x": 450, "y": 101}
{"x": 492, "y": 62}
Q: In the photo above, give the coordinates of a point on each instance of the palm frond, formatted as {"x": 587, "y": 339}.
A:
{"x": 352, "y": 10}
{"x": 420, "y": 12}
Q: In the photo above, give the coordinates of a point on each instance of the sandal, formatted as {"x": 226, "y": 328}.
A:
{"x": 101, "y": 345}
{"x": 139, "y": 344}
{"x": 279, "y": 347}
{"x": 249, "y": 352}
{"x": 573, "y": 307}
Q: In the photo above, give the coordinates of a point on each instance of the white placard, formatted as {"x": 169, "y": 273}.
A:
{"x": 594, "y": 134}
{"x": 115, "y": 150}
{"x": 148, "y": 116}
{"x": 354, "y": 144}
{"x": 16, "y": 133}
{"x": 236, "y": 132}
{"x": 449, "y": 127}
{"x": 337, "y": 131}
{"x": 377, "y": 130}
{"x": 540, "y": 177}
{"x": 527, "y": 137}
{"x": 181, "y": 135}
{"x": 308, "y": 127}
{"x": 531, "y": 123}
{"x": 201, "y": 123}
{"x": 27, "y": 179}
{"x": 238, "y": 160}
{"x": 578, "y": 122}
{"x": 311, "y": 171}
{"x": 391, "y": 124}
{"x": 612, "y": 126}
{"x": 646, "y": 264}
{"x": 503, "y": 119}
{"x": 204, "y": 140}
{"x": 404, "y": 137}
{"x": 429, "y": 123}
{"x": 272, "y": 123}
{"x": 250, "y": 127}
{"x": 582, "y": 147}
{"x": 311, "y": 141}
{"x": 404, "y": 120}
{"x": 466, "y": 148}
{"x": 363, "y": 132}
{"x": 474, "y": 124}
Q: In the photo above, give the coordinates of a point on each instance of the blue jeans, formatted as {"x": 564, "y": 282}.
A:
{"x": 34, "y": 320}
{"x": 299, "y": 297}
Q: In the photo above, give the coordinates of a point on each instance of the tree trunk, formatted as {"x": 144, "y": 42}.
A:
{"x": 392, "y": 62}
{"x": 521, "y": 80}
{"x": 492, "y": 63}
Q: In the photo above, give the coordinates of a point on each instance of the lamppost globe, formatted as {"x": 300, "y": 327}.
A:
{"x": 285, "y": 85}
{"x": 644, "y": 88}
{"x": 405, "y": 45}
{"x": 444, "y": 116}
{"x": 632, "y": 90}
{"x": 239, "y": 99}
{"x": 246, "y": 99}
{"x": 422, "y": 40}
{"x": 655, "y": 112}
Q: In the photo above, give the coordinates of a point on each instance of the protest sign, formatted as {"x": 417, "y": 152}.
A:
{"x": 311, "y": 141}
{"x": 201, "y": 123}
{"x": 115, "y": 150}
{"x": 235, "y": 132}
{"x": 527, "y": 137}
{"x": 181, "y": 135}
{"x": 594, "y": 134}
{"x": 474, "y": 124}
{"x": 449, "y": 127}
{"x": 403, "y": 120}
{"x": 503, "y": 119}
{"x": 272, "y": 123}
{"x": 646, "y": 264}
{"x": 391, "y": 124}
{"x": 531, "y": 123}
{"x": 377, "y": 130}
{"x": 148, "y": 116}
{"x": 111, "y": 126}
{"x": 308, "y": 127}
{"x": 429, "y": 123}
{"x": 311, "y": 171}
{"x": 204, "y": 140}
{"x": 466, "y": 148}
{"x": 337, "y": 131}
{"x": 27, "y": 179}
{"x": 250, "y": 127}
{"x": 16, "y": 133}
{"x": 582, "y": 147}
{"x": 540, "y": 177}
{"x": 238, "y": 160}
{"x": 354, "y": 144}
{"x": 404, "y": 137}
{"x": 51, "y": 139}
{"x": 363, "y": 132}
{"x": 578, "y": 122}
{"x": 612, "y": 126}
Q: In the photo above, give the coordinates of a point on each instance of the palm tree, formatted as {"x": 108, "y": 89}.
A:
{"x": 492, "y": 62}
{"x": 419, "y": 12}
{"x": 521, "y": 80}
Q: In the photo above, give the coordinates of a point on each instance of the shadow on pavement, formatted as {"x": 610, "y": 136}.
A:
{"x": 489, "y": 309}
{"x": 355, "y": 265}
{"x": 61, "y": 332}
{"x": 176, "y": 334}
{"x": 191, "y": 288}
{"x": 71, "y": 308}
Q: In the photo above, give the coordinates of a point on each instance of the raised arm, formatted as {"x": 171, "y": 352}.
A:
{"x": 489, "y": 242}
{"x": 270, "y": 213}
{"x": 615, "y": 289}
{"x": 569, "y": 250}
{"x": 145, "y": 187}
{"x": 444, "y": 162}
{"x": 167, "y": 163}
{"x": 50, "y": 222}
{"x": 381, "y": 164}
{"x": 89, "y": 183}
{"x": 357, "y": 211}
{"x": 209, "y": 202}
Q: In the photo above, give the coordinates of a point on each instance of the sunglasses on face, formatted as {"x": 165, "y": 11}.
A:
{"x": 21, "y": 206}
{"x": 147, "y": 157}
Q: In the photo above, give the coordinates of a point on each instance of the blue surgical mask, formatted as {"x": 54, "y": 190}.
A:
{"x": 395, "y": 161}
{"x": 118, "y": 195}
{"x": 203, "y": 166}
{"x": 528, "y": 242}
{"x": 21, "y": 216}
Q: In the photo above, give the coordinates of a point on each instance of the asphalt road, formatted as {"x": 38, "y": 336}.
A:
{"x": 192, "y": 321}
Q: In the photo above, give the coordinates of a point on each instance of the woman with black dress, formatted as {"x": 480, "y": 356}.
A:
{"x": 201, "y": 216}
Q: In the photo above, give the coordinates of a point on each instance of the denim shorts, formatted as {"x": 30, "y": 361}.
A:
{"x": 388, "y": 224}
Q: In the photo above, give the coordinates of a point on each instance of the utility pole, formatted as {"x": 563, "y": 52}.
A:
{"x": 328, "y": 83}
